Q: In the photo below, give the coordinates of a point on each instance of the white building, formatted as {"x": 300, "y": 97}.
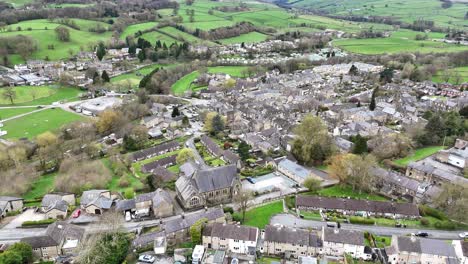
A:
{"x": 197, "y": 254}
{"x": 235, "y": 238}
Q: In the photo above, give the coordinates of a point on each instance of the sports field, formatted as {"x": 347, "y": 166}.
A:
{"x": 41, "y": 95}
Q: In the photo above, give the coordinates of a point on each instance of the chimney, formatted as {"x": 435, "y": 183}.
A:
{"x": 183, "y": 215}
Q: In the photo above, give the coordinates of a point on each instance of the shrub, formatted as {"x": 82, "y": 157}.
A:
{"x": 428, "y": 211}
{"x": 424, "y": 222}
{"x": 228, "y": 210}
{"x": 361, "y": 220}
{"x": 236, "y": 218}
{"x": 40, "y": 222}
{"x": 290, "y": 202}
{"x": 123, "y": 182}
{"x": 129, "y": 193}
{"x": 446, "y": 225}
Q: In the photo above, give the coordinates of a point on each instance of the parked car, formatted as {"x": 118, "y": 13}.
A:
{"x": 421, "y": 234}
{"x": 332, "y": 224}
{"x": 77, "y": 213}
{"x": 463, "y": 235}
{"x": 147, "y": 258}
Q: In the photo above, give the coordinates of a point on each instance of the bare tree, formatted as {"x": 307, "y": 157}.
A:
{"x": 242, "y": 199}
{"x": 9, "y": 94}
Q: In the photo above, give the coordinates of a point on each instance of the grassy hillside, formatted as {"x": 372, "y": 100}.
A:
{"x": 43, "y": 32}
{"x": 406, "y": 11}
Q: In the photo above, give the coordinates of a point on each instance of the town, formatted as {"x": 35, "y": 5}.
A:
{"x": 230, "y": 132}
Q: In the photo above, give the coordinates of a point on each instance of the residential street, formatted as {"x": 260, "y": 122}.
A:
{"x": 292, "y": 221}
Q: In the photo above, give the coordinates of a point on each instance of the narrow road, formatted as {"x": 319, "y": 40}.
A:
{"x": 293, "y": 221}
{"x": 198, "y": 158}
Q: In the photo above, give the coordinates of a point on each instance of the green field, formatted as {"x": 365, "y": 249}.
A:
{"x": 406, "y": 11}
{"x": 34, "y": 124}
{"x": 184, "y": 37}
{"x": 419, "y": 154}
{"x": 462, "y": 71}
{"x": 400, "y": 41}
{"x": 132, "y": 29}
{"x": 345, "y": 191}
{"x": 10, "y": 112}
{"x": 252, "y": 37}
{"x": 260, "y": 216}
{"x": 40, "y": 187}
{"x": 184, "y": 83}
{"x": 44, "y": 95}
{"x": 18, "y": 3}
{"x": 43, "y": 32}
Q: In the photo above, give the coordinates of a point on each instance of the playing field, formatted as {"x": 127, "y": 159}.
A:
{"x": 10, "y": 112}
{"x": 43, "y": 32}
{"x": 400, "y": 41}
{"x": 34, "y": 124}
{"x": 40, "y": 95}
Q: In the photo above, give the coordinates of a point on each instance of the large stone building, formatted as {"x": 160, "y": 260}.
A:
{"x": 291, "y": 242}
{"x": 199, "y": 187}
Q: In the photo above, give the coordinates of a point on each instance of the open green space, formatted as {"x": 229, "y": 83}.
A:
{"x": 11, "y": 112}
{"x": 133, "y": 182}
{"x": 252, "y": 37}
{"x": 461, "y": 71}
{"x": 18, "y": 3}
{"x": 184, "y": 37}
{"x": 260, "y": 216}
{"x": 345, "y": 191}
{"x": 41, "y": 95}
{"x": 137, "y": 165}
{"x": 399, "y": 41}
{"x": 34, "y": 124}
{"x": 68, "y": 5}
{"x": 42, "y": 31}
{"x": 132, "y": 29}
{"x": 268, "y": 260}
{"x": 40, "y": 187}
{"x": 406, "y": 11}
{"x": 418, "y": 154}
{"x": 135, "y": 77}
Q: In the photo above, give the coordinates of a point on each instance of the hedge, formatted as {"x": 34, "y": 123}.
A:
{"x": 40, "y": 222}
{"x": 361, "y": 220}
{"x": 428, "y": 211}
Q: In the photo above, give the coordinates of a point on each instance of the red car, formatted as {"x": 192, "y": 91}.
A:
{"x": 76, "y": 214}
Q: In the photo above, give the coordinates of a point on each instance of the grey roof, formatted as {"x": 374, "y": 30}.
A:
{"x": 211, "y": 145}
{"x": 124, "y": 205}
{"x": 60, "y": 205}
{"x": 230, "y": 156}
{"x": 161, "y": 196}
{"x": 39, "y": 241}
{"x": 91, "y": 195}
{"x": 164, "y": 174}
{"x": 9, "y": 198}
{"x": 290, "y": 235}
{"x": 178, "y": 224}
{"x": 49, "y": 199}
{"x": 409, "y": 244}
{"x": 101, "y": 202}
{"x": 344, "y": 236}
{"x": 188, "y": 168}
{"x": 142, "y": 154}
{"x": 164, "y": 162}
{"x": 215, "y": 178}
{"x": 437, "y": 247}
{"x": 294, "y": 168}
{"x": 61, "y": 230}
{"x": 146, "y": 239}
{"x": 226, "y": 231}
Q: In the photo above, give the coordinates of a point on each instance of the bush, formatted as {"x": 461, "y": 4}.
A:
{"x": 236, "y": 218}
{"x": 361, "y": 220}
{"x": 424, "y": 222}
{"x": 123, "y": 182}
{"x": 428, "y": 211}
{"x": 13, "y": 213}
{"x": 290, "y": 202}
{"x": 40, "y": 222}
{"x": 228, "y": 210}
{"x": 446, "y": 225}
{"x": 129, "y": 193}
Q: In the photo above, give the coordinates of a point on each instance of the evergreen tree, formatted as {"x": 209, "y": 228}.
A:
{"x": 353, "y": 70}
{"x": 147, "y": 78}
{"x": 218, "y": 124}
{"x": 386, "y": 75}
{"x": 100, "y": 51}
{"x": 360, "y": 144}
{"x": 175, "y": 112}
{"x": 372, "y": 103}
{"x": 132, "y": 50}
{"x": 105, "y": 76}
{"x": 96, "y": 78}
{"x": 243, "y": 150}
{"x": 142, "y": 55}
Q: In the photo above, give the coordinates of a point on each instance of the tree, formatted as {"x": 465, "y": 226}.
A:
{"x": 100, "y": 51}
{"x": 360, "y": 144}
{"x": 11, "y": 257}
{"x": 243, "y": 200}
{"x": 9, "y": 94}
{"x": 175, "y": 111}
{"x": 105, "y": 76}
{"x": 386, "y": 75}
{"x": 186, "y": 154}
{"x": 312, "y": 184}
{"x": 229, "y": 84}
{"x": 142, "y": 55}
{"x": 243, "y": 150}
{"x": 46, "y": 139}
{"x": 218, "y": 124}
{"x": 354, "y": 170}
{"x": 353, "y": 70}
{"x": 107, "y": 121}
{"x": 312, "y": 142}
{"x": 453, "y": 200}
{"x": 24, "y": 250}
{"x": 372, "y": 103}
{"x": 136, "y": 139}
{"x": 196, "y": 230}
{"x": 63, "y": 34}
{"x": 388, "y": 146}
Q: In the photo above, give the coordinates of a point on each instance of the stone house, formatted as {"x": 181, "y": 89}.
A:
{"x": 200, "y": 187}
{"x": 337, "y": 242}
{"x": 234, "y": 238}
{"x": 294, "y": 171}
{"x": 461, "y": 250}
{"x": 55, "y": 205}
{"x": 155, "y": 151}
{"x": 96, "y": 201}
{"x": 10, "y": 204}
{"x": 291, "y": 242}
{"x": 157, "y": 203}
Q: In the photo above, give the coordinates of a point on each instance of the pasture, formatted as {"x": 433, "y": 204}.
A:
{"x": 132, "y": 29}
{"x": 34, "y": 124}
{"x": 42, "y": 31}
{"x": 252, "y": 37}
{"x": 41, "y": 95}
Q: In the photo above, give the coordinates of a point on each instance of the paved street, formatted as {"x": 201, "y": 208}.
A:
{"x": 290, "y": 220}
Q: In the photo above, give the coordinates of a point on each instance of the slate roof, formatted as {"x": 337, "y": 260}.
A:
{"x": 344, "y": 236}
{"x": 60, "y": 205}
{"x": 91, "y": 195}
{"x": 142, "y": 154}
{"x": 294, "y": 168}
{"x": 211, "y": 145}
{"x": 164, "y": 162}
{"x": 290, "y": 235}
{"x": 164, "y": 174}
{"x": 124, "y": 205}
{"x": 39, "y": 241}
{"x": 161, "y": 196}
{"x": 226, "y": 231}
{"x": 230, "y": 156}
{"x": 437, "y": 247}
{"x": 9, "y": 198}
{"x": 178, "y": 224}
{"x": 409, "y": 244}
{"x": 215, "y": 178}
{"x": 50, "y": 199}
{"x": 56, "y": 233}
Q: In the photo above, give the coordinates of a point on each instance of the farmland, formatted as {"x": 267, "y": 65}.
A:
{"x": 41, "y": 95}
{"x": 251, "y": 37}
{"x": 43, "y": 33}
{"x": 34, "y": 124}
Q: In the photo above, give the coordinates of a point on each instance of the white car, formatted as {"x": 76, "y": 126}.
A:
{"x": 147, "y": 258}
{"x": 463, "y": 235}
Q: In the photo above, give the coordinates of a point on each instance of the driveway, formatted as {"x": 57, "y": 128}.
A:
{"x": 28, "y": 215}
{"x": 291, "y": 221}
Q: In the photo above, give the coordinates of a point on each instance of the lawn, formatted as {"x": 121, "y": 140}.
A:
{"x": 418, "y": 154}
{"x": 400, "y": 41}
{"x": 252, "y": 37}
{"x": 43, "y": 32}
{"x": 234, "y": 71}
{"x": 268, "y": 260}
{"x": 132, "y": 29}
{"x": 311, "y": 215}
{"x": 43, "y": 185}
{"x": 10, "y": 112}
{"x": 135, "y": 77}
{"x": 34, "y": 124}
{"x": 345, "y": 191}
{"x": 260, "y": 216}
{"x": 41, "y": 95}
{"x": 462, "y": 71}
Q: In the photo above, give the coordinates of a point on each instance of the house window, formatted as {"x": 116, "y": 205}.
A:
{"x": 236, "y": 240}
